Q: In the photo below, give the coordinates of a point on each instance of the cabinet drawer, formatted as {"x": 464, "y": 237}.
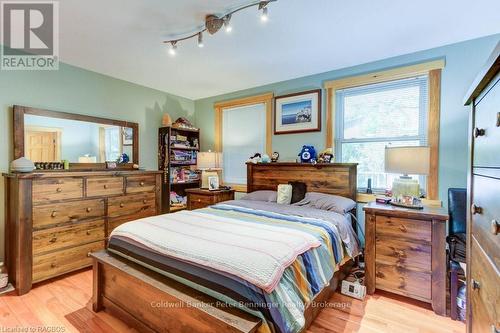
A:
{"x": 57, "y": 189}
{"x": 486, "y": 147}
{"x": 131, "y": 204}
{"x": 136, "y": 184}
{"x": 486, "y": 195}
{"x": 395, "y": 227}
{"x": 485, "y": 300}
{"x": 73, "y": 211}
{"x": 117, "y": 221}
{"x": 104, "y": 186}
{"x": 56, "y": 263}
{"x": 70, "y": 235}
{"x": 199, "y": 201}
{"x": 403, "y": 281}
{"x": 405, "y": 254}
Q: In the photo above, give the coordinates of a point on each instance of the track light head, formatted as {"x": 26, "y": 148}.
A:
{"x": 264, "y": 17}
{"x": 173, "y": 49}
{"x": 200, "y": 40}
{"x": 227, "y": 23}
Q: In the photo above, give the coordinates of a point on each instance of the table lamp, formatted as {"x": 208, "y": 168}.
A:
{"x": 209, "y": 163}
{"x": 407, "y": 161}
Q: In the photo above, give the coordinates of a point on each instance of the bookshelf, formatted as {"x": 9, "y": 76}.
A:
{"x": 177, "y": 156}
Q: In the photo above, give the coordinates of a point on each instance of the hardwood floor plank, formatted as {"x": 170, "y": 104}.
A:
{"x": 65, "y": 302}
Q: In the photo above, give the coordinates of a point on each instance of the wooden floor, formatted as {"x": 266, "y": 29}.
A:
{"x": 63, "y": 305}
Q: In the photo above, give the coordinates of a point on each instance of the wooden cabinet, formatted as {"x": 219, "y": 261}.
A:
{"x": 54, "y": 219}
{"x": 199, "y": 198}
{"x": 405, "y": 253}
{"x": 483, "y": 216}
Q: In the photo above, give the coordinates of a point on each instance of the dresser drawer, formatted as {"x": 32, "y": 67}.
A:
{"x": 487, "y": 146}
{"x": 73, "y": 211}
{"x": 484, "y": 300}
{"x": 405, "y": 254}
{"x": 67, "y": 236}
{"x": 132, "y": 204}
{"x": 52, "y": 189}
{"x": 486, "y": 196}
{"x": 56, "y": 263}
{"x": 403, "y": 281}
{"x": 137, "y": 184}
{"x": 104, "y": 186}
{"x": 395, "y": 227}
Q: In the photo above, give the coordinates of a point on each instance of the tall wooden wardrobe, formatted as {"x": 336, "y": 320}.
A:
{"x": 483, "y": 225}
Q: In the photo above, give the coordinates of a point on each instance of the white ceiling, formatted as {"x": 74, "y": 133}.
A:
{"x": 123, "y": 38}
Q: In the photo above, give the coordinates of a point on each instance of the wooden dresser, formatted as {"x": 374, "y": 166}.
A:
{"x": 54, "y": 219}
{"x": 483, "y": 224}
{"x": 200, "y": 198}
{"x": 405, "y": 253}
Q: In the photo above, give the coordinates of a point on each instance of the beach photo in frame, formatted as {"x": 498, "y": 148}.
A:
{"x": 298, "y": 112}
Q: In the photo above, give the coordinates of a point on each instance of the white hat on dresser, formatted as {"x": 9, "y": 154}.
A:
{"x": 22, "y": 164}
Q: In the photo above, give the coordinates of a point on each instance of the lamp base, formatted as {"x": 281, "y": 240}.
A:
{"x": 404, "y": 186}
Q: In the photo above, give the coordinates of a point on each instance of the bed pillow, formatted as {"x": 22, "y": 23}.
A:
{"x": 299, "y": 190}
{"x": 284, "y": 194}
{"x": 264, "y": 195}
{"x": 330, "y": 202}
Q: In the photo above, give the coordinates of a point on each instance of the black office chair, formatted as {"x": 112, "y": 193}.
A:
{"x": 457, "y": 210}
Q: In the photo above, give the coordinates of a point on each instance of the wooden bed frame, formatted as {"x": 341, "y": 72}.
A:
{"x": 151, "y": 302}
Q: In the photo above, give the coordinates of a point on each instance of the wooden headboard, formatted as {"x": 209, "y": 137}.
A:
{"x": 330, "y": 178}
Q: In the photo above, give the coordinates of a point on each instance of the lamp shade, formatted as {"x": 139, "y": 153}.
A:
{"x": 209, "y": 160}
{"x": 407, "y": 160}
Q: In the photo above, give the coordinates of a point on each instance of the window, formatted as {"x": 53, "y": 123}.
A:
{"x": 243, "y": 127}
{"x": 240, "y": 140}
{"x": 371, "y": 117}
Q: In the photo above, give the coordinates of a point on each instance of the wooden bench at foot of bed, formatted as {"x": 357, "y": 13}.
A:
{"x": 151, "y": 302}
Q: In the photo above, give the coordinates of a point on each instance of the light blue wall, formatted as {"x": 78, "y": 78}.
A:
{"x": 463, "y": 62}
{"x": 72, "y": 89}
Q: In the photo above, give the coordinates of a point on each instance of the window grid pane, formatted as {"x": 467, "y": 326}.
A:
{"x": 378, "y": 115}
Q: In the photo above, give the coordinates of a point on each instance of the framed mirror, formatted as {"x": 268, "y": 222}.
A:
{"x": 86, "y": 142}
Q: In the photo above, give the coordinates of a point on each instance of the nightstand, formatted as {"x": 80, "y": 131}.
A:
{"x": 405, "y": 252}
{"x": 201, "y": 198}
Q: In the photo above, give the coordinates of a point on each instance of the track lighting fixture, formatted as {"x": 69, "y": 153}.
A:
{"x": 213, "y": 23}
{"x": 200, "y": 39}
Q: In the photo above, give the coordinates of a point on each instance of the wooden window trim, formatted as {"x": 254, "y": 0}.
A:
{"x": 219, "y": 107}
{"x": 433, "y": 70}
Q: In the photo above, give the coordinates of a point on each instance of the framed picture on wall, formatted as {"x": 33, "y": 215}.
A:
{"x": 298, "y": 112}
{"x": 128, "y": 136}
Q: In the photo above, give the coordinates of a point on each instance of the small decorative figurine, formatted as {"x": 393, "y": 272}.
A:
{"x": 307, "y": 154}
{"x": 265, "y": 159}
{"x": 326, "y": 156}
{"x": 166, "y": 120}
{"x": 275, "y": 157}
{"x": 256, "y": 158}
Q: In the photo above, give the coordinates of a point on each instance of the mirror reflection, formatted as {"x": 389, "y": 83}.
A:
{"x": 49, "y": 139}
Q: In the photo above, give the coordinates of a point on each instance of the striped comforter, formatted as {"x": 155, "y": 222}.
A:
{"x": 283, "y": 260}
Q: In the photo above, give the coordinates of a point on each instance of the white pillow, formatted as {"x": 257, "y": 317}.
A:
{"x": 284, "y": 194}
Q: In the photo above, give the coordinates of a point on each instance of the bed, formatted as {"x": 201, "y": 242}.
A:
{"x": 238, "y": 273}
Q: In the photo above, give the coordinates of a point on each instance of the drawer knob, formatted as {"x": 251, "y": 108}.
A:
{"x": 122, "y": 205}
{"x": 88, "y": 254}
{"x": 479, "y": 132}
{"x": 400, "y": 253}
{"x": 141, "y": 183}
{"x": 144, "y": 201}
{"x": 88, "y": 209}
{"x": 495, "y": 227}
{"x": 54, "y": 213}
{"x": 105, "y": 186}
{"x": 58, "y": 190}
{"x": 88, "y": 232}
{"x": 402, "y": 282}
{"x": 53, "y": 240}
{"x": 53, "y": 265}
{"x": 402, "y": 228}
{"x": 199, "y": 200}
{"x": 476, "y": 209}
{"x": 475, "y": 285}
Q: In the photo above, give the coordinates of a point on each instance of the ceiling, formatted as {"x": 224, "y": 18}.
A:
{"x": 123, "y": 38}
